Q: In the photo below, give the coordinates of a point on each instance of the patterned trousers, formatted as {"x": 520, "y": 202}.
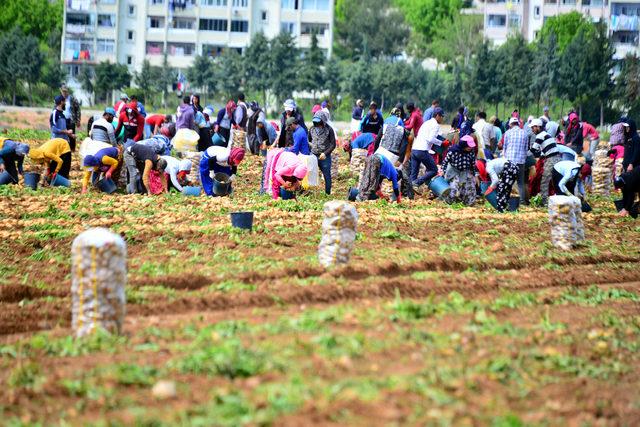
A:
{"x": 507, "y": 179}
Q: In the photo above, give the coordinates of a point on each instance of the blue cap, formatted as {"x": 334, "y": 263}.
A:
{"x": 58, "y": 99}
{"x": 437, "y": 111}
{"x": 110, "y": 110}
{"x": 90, "y": 161}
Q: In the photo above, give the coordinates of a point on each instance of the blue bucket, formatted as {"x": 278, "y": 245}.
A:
{"x": 353, "y": 193}
{"x": 31, "y": 180}
{"x": 242, "y": 220}
{"x": 439, "y": 186}
{"x": 287, "y": 195}
{"x": 191, "y": 191}
{"x": 6, "y": 178}
{"x": 106, "y": 185}
{"x": 514, "y": 204}
{"x": 491, "y": 198}
{"x": 60, "y": 181}
{"x": 221, "y": 184}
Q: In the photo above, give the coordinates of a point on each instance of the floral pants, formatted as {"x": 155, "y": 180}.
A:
{"x": 463, "y": 187}
{"x": 507, "y": 179}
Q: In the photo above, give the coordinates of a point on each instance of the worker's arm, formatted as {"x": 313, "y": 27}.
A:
{"x": 52, "y": 157}
{"x": 120, "y": 124}
{"x": 140, "y": 130}
{"x": 491, "y": 170}
{"x": 85, "y": 180}
{"x": 378, "y": 139}
{"x": 163, "y": 180}
{"x": 173, "y": 175}
{"x": 110, "y": 161}
{"x": 54, "y": 125}
{"x": 563, "y": 184}
{"x": 112, "y": 135}
{"x": 148, "y": 165}
{"x": 332, "y": 142}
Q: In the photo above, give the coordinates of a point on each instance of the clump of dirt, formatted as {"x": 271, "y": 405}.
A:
{"x": 179, "y": 282}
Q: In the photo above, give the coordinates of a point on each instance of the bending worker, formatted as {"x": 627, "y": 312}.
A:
{"x": 104, "y": 161}
{"x": 503, "y": 175}
{"x": 566, "y": 177}
{"x": 55, "y": 155}
{"x": 219, "y": 160}
{"x": 140, "y": 160}
{"x": 102, "y": 129}
{"x": 11, "y": 159}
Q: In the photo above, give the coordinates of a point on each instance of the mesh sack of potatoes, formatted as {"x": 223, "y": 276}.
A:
{"x": 602, "y": 160}
{"x": 238, "y": 138}
{"x": 358, "y": 158}
{"x": 579, "y": 225}
{"x": 602, "y": 181}
{"x": 194, "y": 174}
{"x": 335, "y": 160}
{"x": 562, "y": 217}
{"x": 99, "y": 274}
{"x": 338, "y": 233}
{"x": 387, "y": 188}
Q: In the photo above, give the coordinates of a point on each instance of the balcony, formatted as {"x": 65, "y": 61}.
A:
{"x": 78, "y": 5}
{"x": 79, "y": 30}
{"x": 624, "y": 23}
{"x": 79, "y": 56}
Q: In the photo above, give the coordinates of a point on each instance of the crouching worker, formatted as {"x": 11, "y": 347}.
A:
{"x": 503, "y": 175}
{"x": 459, "y": 170}
{"x": 566, "y": 177}
{"x": 629, "y": 184}
{"x": 219, "y": 160}
{"x": 141, "y": 160}
{"x": 284, "y": 170}
{"x": 176, "y": 172}
{"x": 377, "y": 167}
{"x": 55, "y": 155}
{"x": 104, "y": 161}
{"x": 11, "y": 158}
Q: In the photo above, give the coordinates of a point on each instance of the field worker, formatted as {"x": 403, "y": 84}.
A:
{"x": 104, "y": 161}
{"x": 219, "y": 160}
{"x": 55, "y": 155}
{"x": 415, "y": 121}
{"x": 377, "y": 168}
{"x": 486, "y": 136}
{"x": 573, "y": 136}
{"x": 430, "y": 112}
{"x": 503, "y": 175}
{"x": 132, "y": 122}
{"x": 391, "y": 140}
{"x": 356, "y": 115}
{"x": 11, "y": 158}
{"x": 545, "y": 113}
{"x": 153, "y": 124}
{"x": 140, "y": 160}
{"x": 266, "y": 134}
{"x": 186, "y": 115}
{"x": 160, "y": 144}
{"x": 225, "y": 121}
{"x": 365, "y": 141}
{"x": 121, "y": 104}
{"x": 204, "y": 130}
{"x": 421, "y": 152}
{"x": 591, "y": 139}
{"x": 373, "y": 120}
{"x": 566, "y": 153}
{"x": 629, "y": 184}
{"x": 58, "y": 121}
{"x": 240, "y": 116}
{"x": 566, "y": 177}
{"x": 102, "y": 129}
{"x": 515, "y": 149}
{"x": 283, "y": 170}
{"x": 459, "y": 170}
{"x": 323, "y": 142}
{"x": 546, "y": 148}
{"x": 195, "y": 103}
{"x": 300, "y": 137}
{"x": 290, "y": 110}
{"x": 631, "y": 147}
{"x": 139, "y": 105}
{"x": 71, "y": 113}
{"x": 176, "y": 172}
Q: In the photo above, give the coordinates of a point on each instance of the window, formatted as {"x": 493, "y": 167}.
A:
{"x": 536, "y": 12}
{"x": 216, "y": 3}
{"x": 315, "y": 4}
{"x": 240, "y": 3}
{"x": 74, "y": 70}
{"x": 130, "y": 35}
{"x": 107, "y": 20}
{"x": 264, "y": 16}
{"x": 181, "y": 49}
{"x": 239, "y": 26}
{"x": 107, "y": 1}
{"x": 290, "y": 4}
{"x": 312, "y": 27}
{"x": 106, "y": 46}
{"x": 156, "y": 22}
{"x": 514, "y": 20}
{"x": 129, "y": 60}
{"x": 183, "y": 23}
{"x": 288, "y": 27}
{"x": 154, "y": 48}
{"x": 496, "y": 20}
{"x": 211, "y": 50}
{"x": 132, "y": 10}
{"x": 78, "y": 19}
{"x": 155, "y": 2}
{"x": 213, "y": 25}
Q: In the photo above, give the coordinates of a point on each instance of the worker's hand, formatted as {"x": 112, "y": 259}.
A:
{"x": 108, "y": 174}
{"x": 232, "y": 178}
{"x": 69, "y": 132}
{"x": 629, "y": 168}
{"x": 53, "y": 176}
{"x": 322, "y": 156}
{"x": 84, "y": 190}
{"x": 399, "y": 198}
{"x": 397, "y": 164}
{"x": 2, "y": 167}
{"x": 489, "y": 190}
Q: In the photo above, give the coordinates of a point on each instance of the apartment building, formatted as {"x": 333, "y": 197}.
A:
{"x": 130, "y": 31}
{"x": 502, "y": 18}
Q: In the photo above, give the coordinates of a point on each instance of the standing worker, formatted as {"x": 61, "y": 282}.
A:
{"x": 299, "y": 135}
{"x": 592, "y": 137}
{"x": 58, "y": 121}
{"x": 323, "y": 142}
{"x": 132, "y": 122}
{"x": 72, "y": 114}
{"x": 421, "y": 153}
{"x": 516, "y": 146}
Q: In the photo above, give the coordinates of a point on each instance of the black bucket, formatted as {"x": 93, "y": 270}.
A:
{"x": 243, "y": 220}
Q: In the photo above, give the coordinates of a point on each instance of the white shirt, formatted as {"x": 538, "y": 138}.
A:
{"x": 173, "y": 167}
{"x": 484, "y": 132}
{"x": 494, "y": 169}
{"x": 67, "y": 108}
{"x": 427, "y": 136}
{"x": 220, "y": 153}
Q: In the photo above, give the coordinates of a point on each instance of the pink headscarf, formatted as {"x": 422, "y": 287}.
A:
{"x": 300, "y": 172}
{"x": 315, "y": 109}
{"x": 236, "y": 156}
{"x": 231, "y": 107}
{"x": 573, "y": 116}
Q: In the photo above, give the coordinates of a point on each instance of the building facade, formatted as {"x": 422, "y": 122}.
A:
{"x": 130, "y": 31}
{"x": 503, "y": 18}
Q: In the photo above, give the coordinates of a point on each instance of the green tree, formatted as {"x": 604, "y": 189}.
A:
{"x": 358, "y": 79}
{"x": 257, "y": 65}
{"x": 146, "y": 79}
{"x": 201, "y": 74}
{"x": 483, "y": 84}
{"x": 110, "y": 77}
{"x": 228, "y": 72}
{"x": 516, "y": 60}
{"x": 545, "y": 69}
{"x": 283, "y": 65}
{"x": 333, "y": 77}
{"x": 455, "y": 39}
{"x": 375, "y": 26}
{"x": 565, "y": 27}
{"x": 38, "y": 18}
{"x": 599, "y": 63}
{"x": 627, "y": 86}
{"x": 21, "y": 61}
{"x": 86, "y": 79}
{"x": 311, "y": 76}
{"x": 165, "y": 80}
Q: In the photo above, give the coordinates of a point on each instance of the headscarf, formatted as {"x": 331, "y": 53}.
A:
{"x": 90, "y": 161}
{"x": 289, "y": 105}
{"x": 324, "y": 104}
{"x": 236, "y": 156}
{"x": 36, "y": 155}
{"x": 461, "y": 145}
{"x": 300, "y": 171}
{"x": 617, "y": 134}
{"x": 320, "y": 133}
{"x": 231, "y": 107}
{"x": 315, "y": 109}
{"x": 22, "y": 149}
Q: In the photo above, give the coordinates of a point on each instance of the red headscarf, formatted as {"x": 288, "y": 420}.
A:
{"x": 231, "y": 107}
{"x": 236, "y": 156}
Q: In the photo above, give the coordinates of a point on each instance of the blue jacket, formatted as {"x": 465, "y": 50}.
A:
{"x": 363, "y": 141}
{"x": 389, "y": 171}
{"x": 300, "y": 142}
{"x": 366, "y": 126}
{"x": 58, "y": 125}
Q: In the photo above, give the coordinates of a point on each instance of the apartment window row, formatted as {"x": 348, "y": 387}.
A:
{"x": 307, "y": 28}
{"x": 106, "y": 46}
{"x": 221, "y": 25}
{"x": 214, "y": 3}
{"x": 186, "y": 49}
{"x": 322, "y": 5}
{"x": 495, "y": 21}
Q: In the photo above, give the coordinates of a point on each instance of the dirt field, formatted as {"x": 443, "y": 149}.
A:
{"x": 445, "y": 316}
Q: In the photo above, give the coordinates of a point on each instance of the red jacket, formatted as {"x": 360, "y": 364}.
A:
{"x": 134, "y": 126}
{"x": 155, "y": 120}
{"x": 414, "y": 122}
